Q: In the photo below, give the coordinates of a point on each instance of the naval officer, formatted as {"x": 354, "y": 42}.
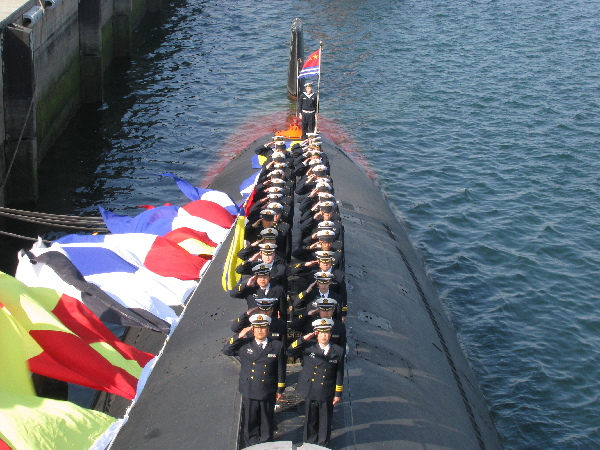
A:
{"x": 325, "y": 310}
{"x": 277, "y": 328}
{"x": 308, "y": 298}
{"x": 262, "y": 377}
{"x": 259, "y": 286}
{"x": 266, "y": 255}
{"x": 320, "y": 381}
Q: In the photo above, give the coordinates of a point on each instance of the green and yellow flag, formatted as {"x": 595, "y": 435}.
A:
{"x": 28, "y": 422}
{"x": 66, "y": 341}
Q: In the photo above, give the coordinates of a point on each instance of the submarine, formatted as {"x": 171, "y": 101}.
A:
{"x": 408, "y": 384}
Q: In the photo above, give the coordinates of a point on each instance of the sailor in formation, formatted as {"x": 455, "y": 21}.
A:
{"x": 262, "y": 377}
{"x": 320, "y": 380}
{"x": 267, "y": 255}
{"x": 277, "y": 327}
{"x": 259, "y": 286}
{"x": 298, "y": 178}
{"x": 325, "y": 309}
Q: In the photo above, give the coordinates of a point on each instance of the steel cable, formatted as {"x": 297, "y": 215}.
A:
{"x": 48, "y": 216}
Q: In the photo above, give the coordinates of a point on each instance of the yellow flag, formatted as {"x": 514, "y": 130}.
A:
{"x": 230, "y": 277}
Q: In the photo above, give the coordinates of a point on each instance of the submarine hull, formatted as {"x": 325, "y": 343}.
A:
{"x": 408, "y": 383}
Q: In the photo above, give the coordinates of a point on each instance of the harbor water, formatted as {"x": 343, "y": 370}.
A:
{"x": 480, "y": 120}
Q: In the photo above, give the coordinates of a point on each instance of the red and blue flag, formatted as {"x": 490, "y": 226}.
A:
{"x": 311, "y": 66}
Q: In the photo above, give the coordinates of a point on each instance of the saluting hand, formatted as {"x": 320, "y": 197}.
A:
{"x": 245, "y": 331}
{"x": 336, "y": 400}
{"x": 251, "y": 310}
{"x": 313, "y": 312}
{"x": 310, "y": 288}
{"x": 251, "y": 280}
{"x": 306, "y": 337}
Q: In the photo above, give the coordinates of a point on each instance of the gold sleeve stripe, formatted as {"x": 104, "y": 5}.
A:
{"x": 344, "y": 308}
{"x": 339, "y": 388}
{"x": 280, "y": 384}
{"x": 301, "y": 295}
{"x": 294, "y": 344}
{"x": 231, "y": 340}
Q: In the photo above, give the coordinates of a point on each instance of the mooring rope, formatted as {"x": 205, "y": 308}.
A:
{"x": 55, "y": 223}
{"x": 27, "y": 238}
{"x": 48, "y": 216}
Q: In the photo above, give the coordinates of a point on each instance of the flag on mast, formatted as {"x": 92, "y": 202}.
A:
{"x": 312, "y": 65}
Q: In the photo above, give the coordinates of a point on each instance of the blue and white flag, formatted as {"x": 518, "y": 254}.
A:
{"x": 248, "y": 185}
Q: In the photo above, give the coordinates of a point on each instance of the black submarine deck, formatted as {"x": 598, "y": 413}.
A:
{"x": 408, "y": 383}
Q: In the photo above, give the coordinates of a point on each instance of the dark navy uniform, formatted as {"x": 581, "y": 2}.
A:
{"x": 262, "y": 376}
{"x": 305, "y": 253}
{"x": 307, "y": 105}
{"x": 308, "y": 300}
{"x": 277, "y": 272}
{"x": 338, "y": 284}
{"x": 254, "y": 292}
{"x": 320, "y": 380}
{"x": 266, "y": 235}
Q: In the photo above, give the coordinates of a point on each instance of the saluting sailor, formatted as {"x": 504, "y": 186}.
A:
{"x": 266, "y": 255}
{"x": 259, "y": 286}
{"x": 262, "y": 377}
{"x": 320, "y": 381}
{"x": 277, "y": 328}
{"x": 307, "y": 106}
{"x": 325, "y": 310}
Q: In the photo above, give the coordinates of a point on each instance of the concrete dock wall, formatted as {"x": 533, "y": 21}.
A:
{"x": 51, "y": 66}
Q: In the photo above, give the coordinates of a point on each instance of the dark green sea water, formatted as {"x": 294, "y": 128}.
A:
{"x": 481, "y": 120}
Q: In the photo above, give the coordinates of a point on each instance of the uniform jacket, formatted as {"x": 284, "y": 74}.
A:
{"x": 278, "y": 268}
{"x": 306, "y": 103}
{"x": 263, "y": 371}
{"x": 338, "y": 282}
{"x": 321, "y": 377}
{"x": 308, "y": 300}
{"x": 253, "y": 234}
{"x": 251, "y": 293}
{"x": 303, "y": 253}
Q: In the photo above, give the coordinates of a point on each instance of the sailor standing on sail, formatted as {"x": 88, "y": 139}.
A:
{"x": 307, "y": 107}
